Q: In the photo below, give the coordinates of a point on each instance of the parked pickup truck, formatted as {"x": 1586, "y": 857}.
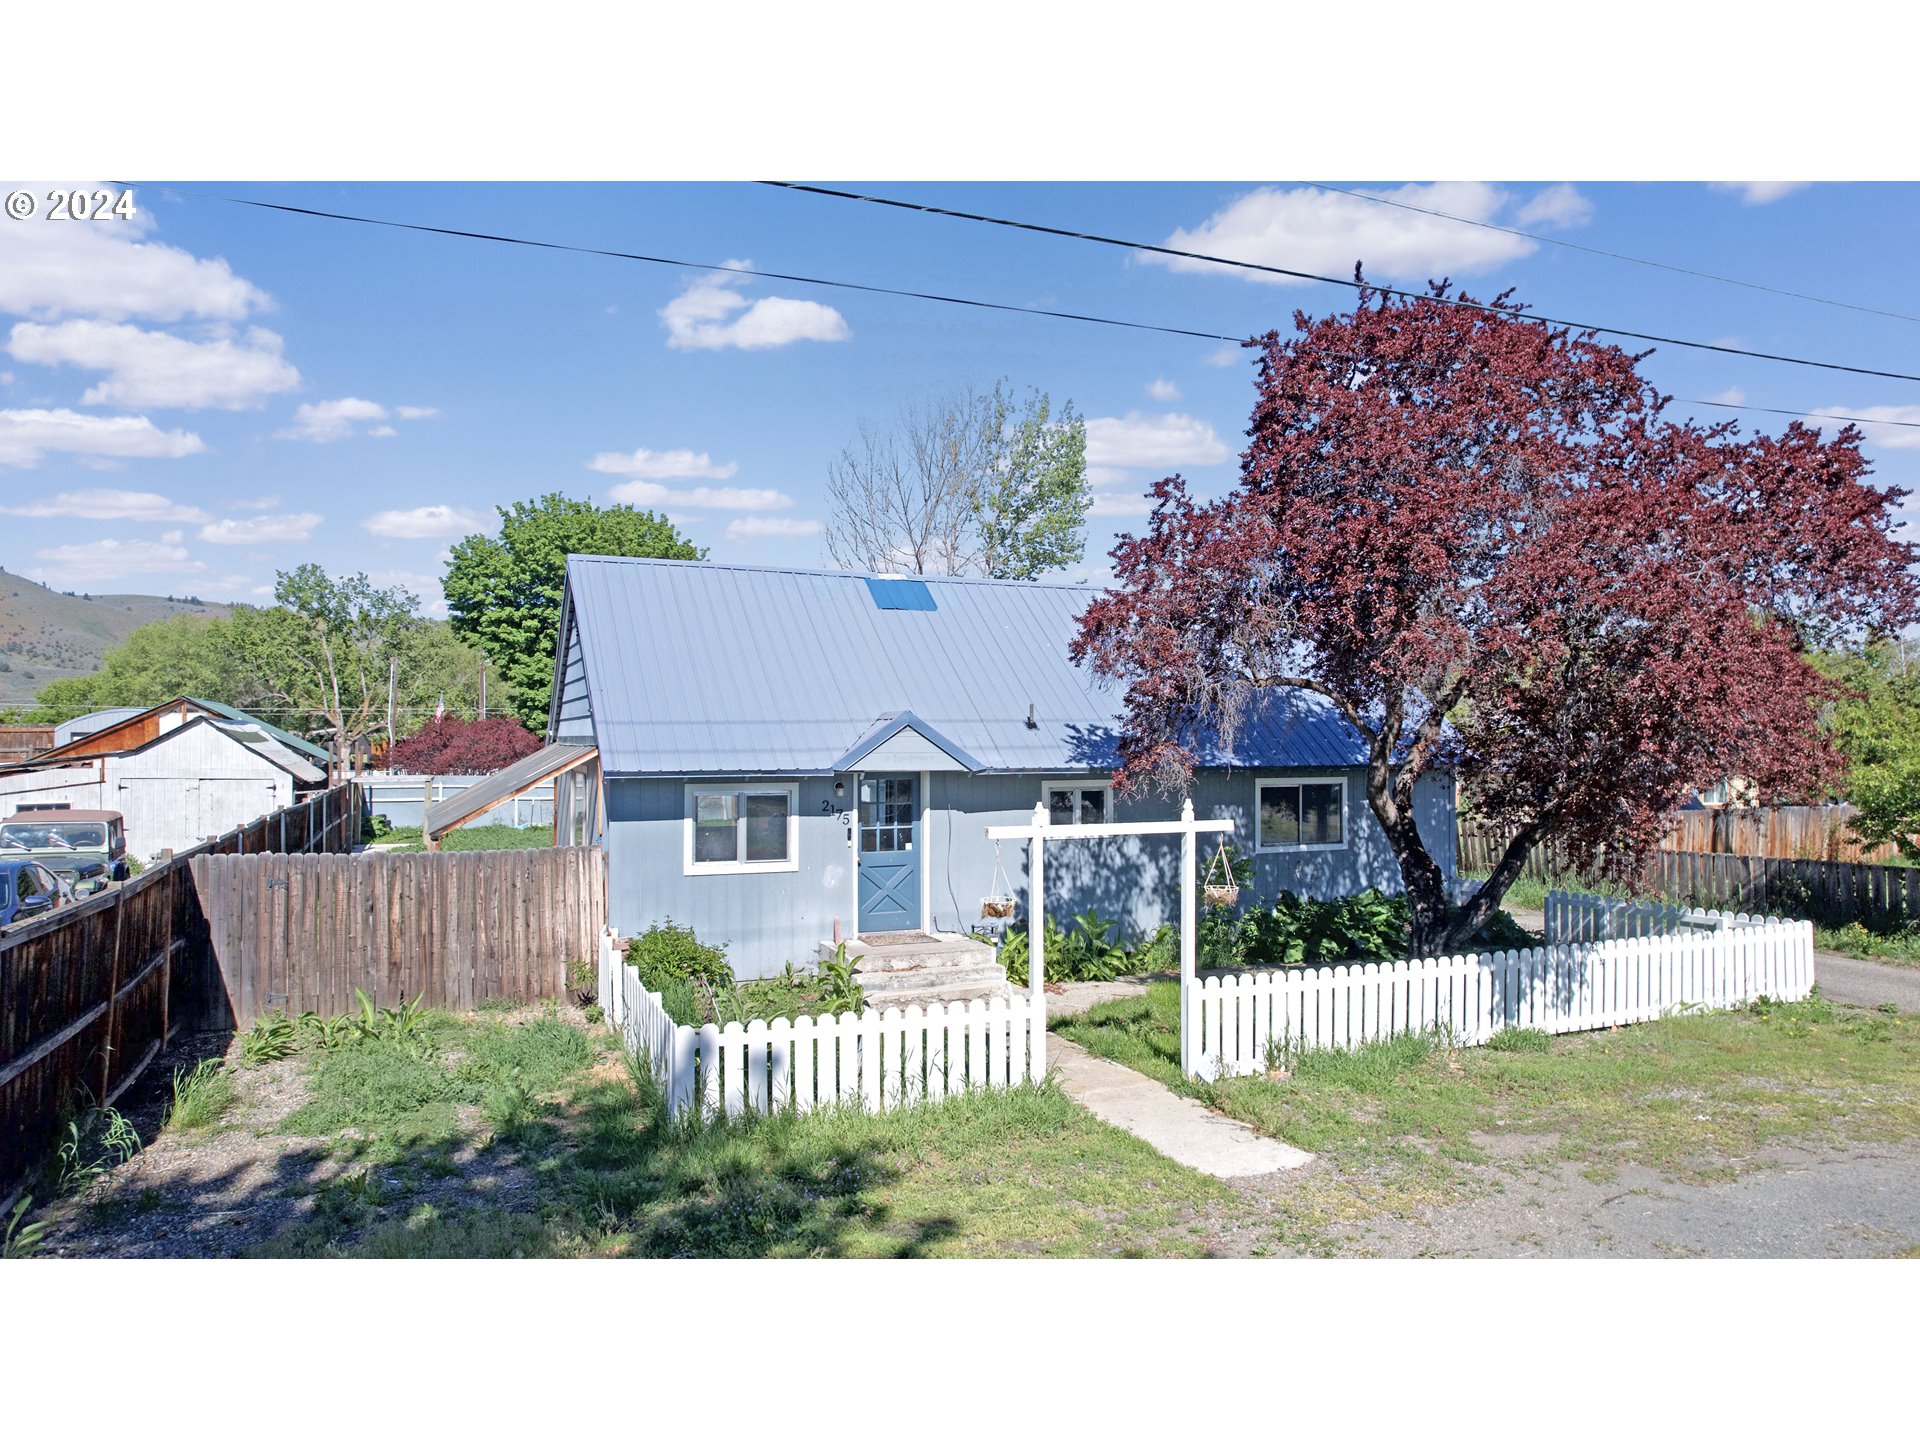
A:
{"x": 85, "y": 848}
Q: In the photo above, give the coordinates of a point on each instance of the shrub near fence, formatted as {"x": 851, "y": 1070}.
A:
{"x": 92, "y": 993}
{"x": 1681, "y": 959}
{"x": 872, "y": 1060}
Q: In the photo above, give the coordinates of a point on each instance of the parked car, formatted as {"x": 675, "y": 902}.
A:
{"x": 28, "y": 890}
{"x": 86, "y": 848}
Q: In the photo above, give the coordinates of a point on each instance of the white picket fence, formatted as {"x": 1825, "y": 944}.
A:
{"x": 1574, "y": 918}
{"x": 1246, "y": 1022}
{"x": 875, "y": 1060}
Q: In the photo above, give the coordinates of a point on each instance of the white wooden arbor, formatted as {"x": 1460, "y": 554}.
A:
{"x": 1037, "y": 835}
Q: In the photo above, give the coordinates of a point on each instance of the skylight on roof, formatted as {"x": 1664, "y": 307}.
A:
{"x": 901, "y": 595}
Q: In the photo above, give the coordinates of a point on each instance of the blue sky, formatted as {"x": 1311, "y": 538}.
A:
{"x": 230, "y": 391}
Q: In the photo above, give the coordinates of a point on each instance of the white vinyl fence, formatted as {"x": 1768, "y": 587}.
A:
{"x": 874, "y": 1060}
{"x": 1684, "y": 960}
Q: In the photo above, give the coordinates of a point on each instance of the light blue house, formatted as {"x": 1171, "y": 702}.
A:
{"x": 777, "y": 753}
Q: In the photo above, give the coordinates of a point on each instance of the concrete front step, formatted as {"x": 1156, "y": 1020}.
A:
{"x": 878, "y": 982}
{"x": 932, "y": 955}
{"x": 948, "y": 994}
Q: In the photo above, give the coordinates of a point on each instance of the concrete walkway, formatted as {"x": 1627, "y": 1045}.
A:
{"x": 1179, "y": 1128}
{"x": 1866, "y": 982}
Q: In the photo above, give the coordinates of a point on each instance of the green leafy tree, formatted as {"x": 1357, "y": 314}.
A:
{"x": 318, "y": 662}
{"x": 1031, "y": 504}
{"x": 1877, "y": 729}
{"x": 504, "y": 593}
{"x": 328, "y": 650}
{"x": 185, "y": 655}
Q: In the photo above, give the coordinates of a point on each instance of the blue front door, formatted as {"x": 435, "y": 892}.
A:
{"x": 889, "y": 853}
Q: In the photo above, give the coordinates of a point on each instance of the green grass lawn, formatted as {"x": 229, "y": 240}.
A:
{"x": 1692, "y": 1096}
{"x": 408, "y": 839}
{"x": 436, "y": 1133}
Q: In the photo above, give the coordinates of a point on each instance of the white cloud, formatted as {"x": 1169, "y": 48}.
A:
{"x": 26, "y": 435}
{"x": 118, "y": 505}
{"x": 110, "y": 269}
{"x": 1223, "y": 357}
{"x": 646, "y": 464}
{"x": 324, "y": 421}
{"x": 1758, "y": 192}
{"x": 1121, "y": 503}
{"x": 1732, "y": 395}
{"x": 701, "y": 497}
{"x": 258, "y": 502}
{"x": 1157, "y": 442}
{"x": 712, "y": 314}
{"x": 1325, "y": 232}
{"x": 152, "y": 368}
{"x": 1163, "y": 390}
{"x": 427, "y": 522}
{"x": 1884, "y": 436}
{"x": 1556, "y": 207}
{"x": 771, "y": 527}
{"x": 110, "y": 560}
{"x": 267, "y": 530}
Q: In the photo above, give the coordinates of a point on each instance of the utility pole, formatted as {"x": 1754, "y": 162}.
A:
{"x": 393, "y": 684}
{"x": 483, "y": 689}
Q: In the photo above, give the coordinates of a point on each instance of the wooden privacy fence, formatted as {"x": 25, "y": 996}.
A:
{"x": 874, "y": 1060}
{"x": 92, "y": 993}
{"x": 1775, "y": 832}
{"x": 1248, "y": 1022}
{"x": 302, "y": 932}
{"x": 1825, "y": 889}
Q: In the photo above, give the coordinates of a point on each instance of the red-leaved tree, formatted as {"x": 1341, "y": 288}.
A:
{"x": 450, "y": 746}
{"x": 1479, "y": 538}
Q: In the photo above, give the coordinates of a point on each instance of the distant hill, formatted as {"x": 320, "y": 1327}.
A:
{"x": 46, "y": 635}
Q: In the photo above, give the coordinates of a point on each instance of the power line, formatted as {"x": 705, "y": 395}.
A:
{"x": 1150, "y": 249}
{"x": 1609, "y": 254}
{"x": 699, "y": 265}
{"x": 982, "y": 304}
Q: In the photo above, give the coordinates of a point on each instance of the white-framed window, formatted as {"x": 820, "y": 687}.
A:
{"x": 1300, "y": 812}
{"x": 742, "y": 828}
{"x": 1078, "y": 802}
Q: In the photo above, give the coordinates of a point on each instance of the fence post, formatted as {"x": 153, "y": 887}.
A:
{"x": 1189, "y": 940}
{"x": 1036, "y": 949}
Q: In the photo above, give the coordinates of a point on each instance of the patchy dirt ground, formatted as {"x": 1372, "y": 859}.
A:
{"x": 237, "y": 1189}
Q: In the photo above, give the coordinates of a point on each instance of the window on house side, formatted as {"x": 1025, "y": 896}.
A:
{"x": 1302, "y": 814}
{"x": 1077, "y": 804}
{"x": 745, "y": 829}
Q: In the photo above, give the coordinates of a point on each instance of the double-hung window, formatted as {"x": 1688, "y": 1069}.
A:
{"x": 1308, "y": 813}
{"x": 1079, "y": 802}
{"x": 732, "y": 829}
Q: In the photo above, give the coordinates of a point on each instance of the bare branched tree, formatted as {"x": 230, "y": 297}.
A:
{"x": 904, "y": 498}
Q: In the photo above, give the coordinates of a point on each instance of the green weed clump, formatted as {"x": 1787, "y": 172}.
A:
{"x": 202, "y": 1096}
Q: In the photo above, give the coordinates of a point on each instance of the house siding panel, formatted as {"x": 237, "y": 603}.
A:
{"x": 767, "y": 920}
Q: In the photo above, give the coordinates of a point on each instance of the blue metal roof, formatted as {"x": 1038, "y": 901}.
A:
{"x": 695, "y": 668}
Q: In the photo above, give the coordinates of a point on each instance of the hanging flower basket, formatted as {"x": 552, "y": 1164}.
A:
{"x": 1217, "y": 886}
{"x": 999, "y": 904}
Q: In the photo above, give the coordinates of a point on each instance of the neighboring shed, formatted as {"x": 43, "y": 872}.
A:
{"x": 23, "y": 742}
{"x": 128, "y": 730}
{"x": 784, "y": 753}
{"x": 187, "y": 784}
